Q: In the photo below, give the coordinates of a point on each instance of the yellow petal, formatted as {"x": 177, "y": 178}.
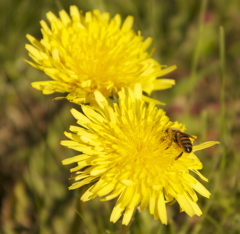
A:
{"x": 80, "y": 117}
{"x": 127, "y": 216}
{"x": 116, "y": 213}
{"x": 127, "y": 24}
{"x": 167, "y": 70}
{"x": 93, "y": 115}
{"x": 161, "y": 208}
{"x": 74, "y": 159}
{"x": 151, "y": 100}
{"x": 204, "y": 145}
{"x": 161, "y": 84}
{"x": 64, "y": 17}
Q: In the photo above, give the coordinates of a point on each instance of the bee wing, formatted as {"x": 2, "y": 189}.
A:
{"x": 175, "y": 130}
{"x": 191, "y": 136}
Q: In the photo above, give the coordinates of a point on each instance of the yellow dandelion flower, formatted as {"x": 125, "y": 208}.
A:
{"x": 127, "y": 152}
{"x": 93, "y": 52}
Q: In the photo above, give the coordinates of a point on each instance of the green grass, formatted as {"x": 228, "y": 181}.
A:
{"x": 201, "y": 38}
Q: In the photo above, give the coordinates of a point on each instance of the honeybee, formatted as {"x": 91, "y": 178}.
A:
{"x": 182, "y": 140}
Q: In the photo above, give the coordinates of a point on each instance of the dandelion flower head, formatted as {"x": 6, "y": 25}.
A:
{"x": 84, "y": 53}
{"x": 127, "y": 154}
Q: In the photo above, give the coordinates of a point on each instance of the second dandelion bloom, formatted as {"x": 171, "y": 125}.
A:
{"x": 84, "y": 53}
{"x": 127, "y": 153}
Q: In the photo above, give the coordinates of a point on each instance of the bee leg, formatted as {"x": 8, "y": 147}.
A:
{"x": 178, "y": 156}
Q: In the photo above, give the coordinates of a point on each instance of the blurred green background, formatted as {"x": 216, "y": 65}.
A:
{"x": 200, "y": 37}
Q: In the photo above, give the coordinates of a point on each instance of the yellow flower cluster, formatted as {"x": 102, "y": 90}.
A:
{"x": 129, "y": 149}
{"x": 93, "y": 52}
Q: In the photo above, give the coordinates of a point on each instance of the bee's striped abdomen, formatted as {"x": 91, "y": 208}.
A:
{"x": 185, "y": 142}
